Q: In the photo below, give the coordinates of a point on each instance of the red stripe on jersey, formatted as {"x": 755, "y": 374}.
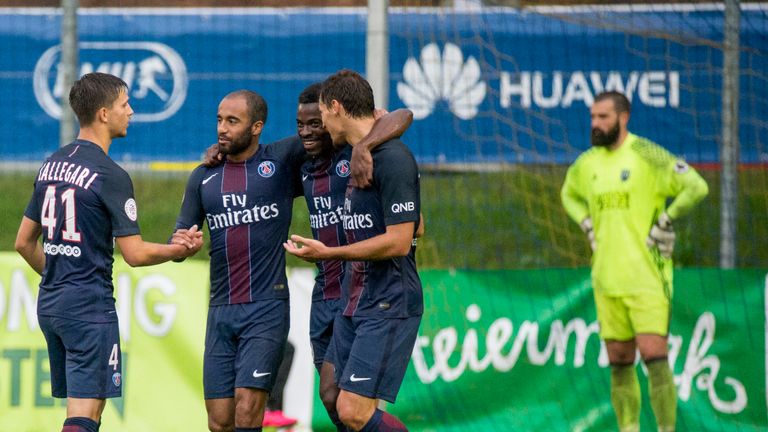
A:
{"x": 358, "y": 269}
{"x": 332, "y": 269}
{"x": 239, "y": 263}
{"x": 321, "y": 184}
{"x": 238, "y": 241}
{"x": 235, "y": 178}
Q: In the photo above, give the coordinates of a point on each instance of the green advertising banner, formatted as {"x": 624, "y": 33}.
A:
{"x": 497, "y": 351}
{"x": 519, "y": 351}
{"x": 162, "y": 312}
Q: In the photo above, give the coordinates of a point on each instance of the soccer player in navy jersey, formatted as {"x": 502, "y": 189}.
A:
{"x": 247, "y": 202}
{"x": 373, "y": 339}
{"x": 82, "y": 200}
{"x": 325, "y": 175}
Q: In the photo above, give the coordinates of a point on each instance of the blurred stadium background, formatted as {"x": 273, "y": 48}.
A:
{"x": 500, "y": 90}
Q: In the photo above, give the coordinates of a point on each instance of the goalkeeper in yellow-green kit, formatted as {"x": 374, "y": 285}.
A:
{"x": 617, "y": 193}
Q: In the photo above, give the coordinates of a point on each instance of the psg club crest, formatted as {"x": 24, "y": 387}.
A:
{"x": 117, "y": 379}
{"x": 342, "y": 168}
{"x": 266, "y": 169}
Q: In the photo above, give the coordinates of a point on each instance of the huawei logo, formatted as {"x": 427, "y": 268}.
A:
{"x": 442, "y": 76}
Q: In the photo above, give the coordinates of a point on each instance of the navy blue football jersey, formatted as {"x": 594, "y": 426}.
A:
{"x": 325, "y": 184}
{"x": 387, "y": 288}
{"x": 82, "y": 199}
{"x": 247, "y": 206}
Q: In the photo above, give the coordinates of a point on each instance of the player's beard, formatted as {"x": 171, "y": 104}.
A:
{"x": 605, "y": 139}
{"x": 238, "y": 145}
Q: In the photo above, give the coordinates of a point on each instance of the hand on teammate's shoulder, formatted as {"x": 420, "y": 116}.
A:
{"x": 212, "y": 156}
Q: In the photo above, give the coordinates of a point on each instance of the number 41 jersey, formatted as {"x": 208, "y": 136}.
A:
{"x": 82, "y": 199}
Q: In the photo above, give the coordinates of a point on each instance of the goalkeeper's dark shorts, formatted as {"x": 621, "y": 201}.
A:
{"x": 371, "y": 354}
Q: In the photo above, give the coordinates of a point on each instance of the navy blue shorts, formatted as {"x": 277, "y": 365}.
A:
{"x": 85, "y": 358}
{"x": 371, "y": 355}
{"x": 244, "y": 346}
{"x": 321, "y": 318}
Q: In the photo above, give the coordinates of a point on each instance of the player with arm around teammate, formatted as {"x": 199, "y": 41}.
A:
{"x": 373, "y": 339}
{"x": 82, "y": 200}
{"x": 617, "y": 191}
{"x": 325, "y": 177}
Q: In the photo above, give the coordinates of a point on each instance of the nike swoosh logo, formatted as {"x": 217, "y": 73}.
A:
{"x": 353, "y": 378}
{"x": 256, "y": 374}
{"x": 207, "y": 179}
{"x": 304, "y": 177}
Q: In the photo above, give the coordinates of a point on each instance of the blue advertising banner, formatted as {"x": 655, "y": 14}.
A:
{"x": 490, "y": 86}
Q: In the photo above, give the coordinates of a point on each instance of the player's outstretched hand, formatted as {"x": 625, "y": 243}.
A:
{"x": 662, "y": 236}
{"x": 212, "y": 156}
{"x": 362, "y": 167}
{"x": 307, "y": 249}
{"x": 191, "y": 239}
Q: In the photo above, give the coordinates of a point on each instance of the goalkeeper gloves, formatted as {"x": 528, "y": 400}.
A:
{"x": 662, "y": 236}
{"x": 586, "y": 226}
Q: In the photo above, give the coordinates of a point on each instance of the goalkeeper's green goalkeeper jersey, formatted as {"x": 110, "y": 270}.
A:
{"x": 624, "y": 191}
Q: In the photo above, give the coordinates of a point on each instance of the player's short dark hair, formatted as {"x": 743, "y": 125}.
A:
{"x": 257, "y": 106}
{"x": 620, "y": 102}
{"x": 92, "y": 92}
{"x": 311, "y": 94}
{"x": 351, "y": 90}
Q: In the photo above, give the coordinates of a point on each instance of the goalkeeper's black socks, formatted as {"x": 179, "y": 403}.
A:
{"x": 80, "y": 424}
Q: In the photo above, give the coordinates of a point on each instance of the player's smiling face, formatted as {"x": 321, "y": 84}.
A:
{"x": 309, "y": 125}
{"x": 234, "y": 127}
{"x": 120, "y": 114}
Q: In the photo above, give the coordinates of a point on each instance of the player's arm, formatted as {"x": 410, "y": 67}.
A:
{"x": 395, "y": 242}
{"x": 397, "y": 181}
{"x": 575, "y": 204}
{"x": 28, "y": 246}
{"x": 421, "y": 229}
{"x": 118, "y": 198}
{"x": 191, "y": 213}
{"x": 138, "y": 252}
{"x": 387, "y": 127}
{"x": 573, "y": 201}
{"x": 682, "y": 182}
{"x": 688, "y": 188}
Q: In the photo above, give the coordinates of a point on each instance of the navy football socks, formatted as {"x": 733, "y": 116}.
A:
{"x": 383, "y": 422}
{"x": 80, "y": 424}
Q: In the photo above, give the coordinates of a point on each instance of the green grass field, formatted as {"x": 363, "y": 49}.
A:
{"x": 510, "y": 219}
